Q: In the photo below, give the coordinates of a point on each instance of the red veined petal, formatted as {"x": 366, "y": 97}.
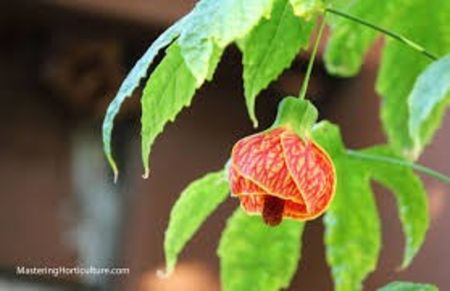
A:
{"x": 260, "y": 158}
{"x": 241, "y": 185}
{"x": 312, "y": 171}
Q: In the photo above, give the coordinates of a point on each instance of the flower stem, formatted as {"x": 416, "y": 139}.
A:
{"x": 402, "y": 163}
{"x": 392, "y": 34}
{"x": 305, "y": 84}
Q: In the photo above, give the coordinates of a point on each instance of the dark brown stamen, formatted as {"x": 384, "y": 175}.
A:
{"x": 273, "y": 210}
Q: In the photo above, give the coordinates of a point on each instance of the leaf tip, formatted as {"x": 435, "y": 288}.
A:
{"x": 114, "y": 167}
{"x": 252, "y": 115}
{"x": 407, "y": 259}
{"x": 164, "y": 274}
{"x": 146, "y": 173}
{"x": 255, "y": 122}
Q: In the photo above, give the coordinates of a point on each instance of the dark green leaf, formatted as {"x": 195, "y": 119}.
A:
{"x": 195, "y": 204}
{"x": 427, "y": 102}
{"x": 169, "y": 89}
{"x": 408, "y": 286}
{"x": 270, "y": 48}
{"x": 254, "y": 256}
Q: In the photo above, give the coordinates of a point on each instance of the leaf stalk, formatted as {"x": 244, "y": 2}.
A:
{"x": 399, "y": 162}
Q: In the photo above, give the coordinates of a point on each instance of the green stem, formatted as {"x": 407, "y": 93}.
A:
{"x": 305, "y": 84}
{"x": 402, "y": 163}
{"x": 392, "y": 34}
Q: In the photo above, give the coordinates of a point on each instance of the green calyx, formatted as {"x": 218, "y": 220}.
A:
{"x": 297, "y": 114}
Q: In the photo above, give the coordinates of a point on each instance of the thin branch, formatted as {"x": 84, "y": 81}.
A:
{"x": 392, "y": 34}
{"x": 305, "y": 84}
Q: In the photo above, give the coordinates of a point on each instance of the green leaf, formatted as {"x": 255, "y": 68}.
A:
{"x": 408, "y": 286}
{"x": 197, "y": 57}
{"x": 195, "y": 204}
{"x": 217, "y": 22}
{"x": 401, "y": 65}
{"x": 427, "y": 102}
{"x": 131, "y": 82}
{"x": 169, "y": 89}
{"x": 410, "y": 195}
{"x": 254, "y": 256}
{"x": 349, "y": 40}
{"x": 270, "y": 48}
{"x": 328, "y": 136}
{"x": 203, "y": 35}
{"x": 214, "y": 62}
{"x": 308, "y": 9}
{"x": 352, "y": 227}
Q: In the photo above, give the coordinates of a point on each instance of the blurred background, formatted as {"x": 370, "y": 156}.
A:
{"x": 61, "y": 62}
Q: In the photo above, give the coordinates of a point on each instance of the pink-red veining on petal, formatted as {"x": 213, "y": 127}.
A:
{"x": 311, "y": 169}
{"x": 280, "y": 164}
{"x": 241, "y": 185}
{"x": 260, "y": 159}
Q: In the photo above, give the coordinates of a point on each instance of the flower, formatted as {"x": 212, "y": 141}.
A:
{"x": 278, "y": 174}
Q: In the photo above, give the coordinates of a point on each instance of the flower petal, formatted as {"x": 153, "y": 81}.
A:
{"x": 260, "y": 158}
{"x": 312, "y": 171}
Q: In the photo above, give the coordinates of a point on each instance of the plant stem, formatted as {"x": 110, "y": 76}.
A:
{"x": 402, "y": 163}
{"x": 305, "y": 84}
{"x": 392, "y": 34}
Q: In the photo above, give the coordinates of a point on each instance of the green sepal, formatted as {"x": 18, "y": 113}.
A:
{"x": 297, "y": 114}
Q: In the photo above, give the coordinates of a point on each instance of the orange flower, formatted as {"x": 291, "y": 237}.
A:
{"x": 279, "y": 175}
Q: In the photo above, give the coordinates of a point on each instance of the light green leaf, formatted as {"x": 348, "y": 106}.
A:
{"x": 408, "y": 286}
{"x": 203, "y": 35}
{"x": 427, "y": 102}
{"x": 410, "y": 195}
{"x": 195, "y": 204}
{"x": 217, "y": 22}
{"x": 352, "y": 227}
{"x": 254, "y": 256}
{"x": 169, "y": 89}
{"x": 307, "y": 9}
{"x": 270, "y": 48}
{"x": 328, "y": 136}
{"x": 401, "y": 65}
{"x": 197, "y": 57}
{"x": 131, "y": 82}
{"x": 349, "y": 40}
{"x": 214, "y": 62}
